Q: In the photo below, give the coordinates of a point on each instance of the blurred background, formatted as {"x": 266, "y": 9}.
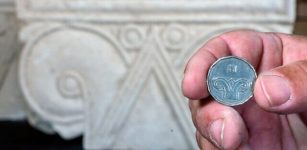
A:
{"x": 300, "y": 26}
{"x": 105, "y": 74}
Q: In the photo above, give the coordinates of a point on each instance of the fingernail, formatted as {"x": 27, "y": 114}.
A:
{"x": 276, "y": 89}
{"x": 216, "y": 132}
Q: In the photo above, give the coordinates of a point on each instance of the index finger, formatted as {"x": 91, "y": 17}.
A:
{"x": 245, "y": 44}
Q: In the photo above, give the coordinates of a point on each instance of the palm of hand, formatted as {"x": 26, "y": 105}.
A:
{"x": 270, "y": 130}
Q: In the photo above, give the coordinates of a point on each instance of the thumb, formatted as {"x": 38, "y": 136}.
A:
{"x": 283, "y": 89}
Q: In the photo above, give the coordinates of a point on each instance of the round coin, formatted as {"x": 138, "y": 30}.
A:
{"x": 231, "y": 80}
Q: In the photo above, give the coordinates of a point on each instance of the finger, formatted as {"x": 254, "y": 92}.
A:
{"x": 261, "y": 131}
{"x": 193, "y": 83}
{"x": 203, "y": 143}
{"x": 294, "y": 47}
{"x": 219, "y": 124}
{"x": 299, "y": 131}
{"x": 283, "y": 89}
{"x": 245, "y": 44}
{"x": 272, "y": 52}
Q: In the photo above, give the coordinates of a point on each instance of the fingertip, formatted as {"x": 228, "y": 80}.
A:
{"x": 192, "y": 89}
{"x": 194, "y": 84}
{"x": 222, "y": 125}
{"x": 271, "y": 90}
{"x": 235, "y": 132}
{"x": 259, "y": 94}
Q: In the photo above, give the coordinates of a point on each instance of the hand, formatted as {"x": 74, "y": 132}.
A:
{"x": 275, "y": 118}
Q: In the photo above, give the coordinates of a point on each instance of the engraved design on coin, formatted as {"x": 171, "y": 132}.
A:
{"x": 230, "y": 80}
{"x": 229, "y": 86}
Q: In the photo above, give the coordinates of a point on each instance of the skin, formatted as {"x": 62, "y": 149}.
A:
{"x": 276, "y": 117}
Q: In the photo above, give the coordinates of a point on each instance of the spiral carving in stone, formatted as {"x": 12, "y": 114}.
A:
{"x": 71, "y": 84}
{"x": 174, "y": 37}
{"x": 132, "y": 37}
{"x": 65, "y": 69}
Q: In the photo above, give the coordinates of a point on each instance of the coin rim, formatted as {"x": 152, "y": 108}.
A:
{"x": 253, "y": 82}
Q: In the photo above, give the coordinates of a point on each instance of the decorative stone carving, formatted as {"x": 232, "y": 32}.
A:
{"x": 8, "y": 33}
{"x": 111, "y": 69}
{"x": 12, "y": 104}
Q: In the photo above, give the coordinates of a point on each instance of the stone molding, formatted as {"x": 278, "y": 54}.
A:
{"x": 158, "y": 10}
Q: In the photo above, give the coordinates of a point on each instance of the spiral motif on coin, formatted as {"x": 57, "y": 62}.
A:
{"x": 229, "y": 86}
{"x": 174, "y": 37}
{"x": 71, "y": 85}
{"x": 221, "y": 85}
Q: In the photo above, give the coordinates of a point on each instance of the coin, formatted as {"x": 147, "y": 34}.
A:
{"x": 231, "y": 80}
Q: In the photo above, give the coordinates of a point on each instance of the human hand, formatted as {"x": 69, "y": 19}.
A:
{"x": 275, "y": 118}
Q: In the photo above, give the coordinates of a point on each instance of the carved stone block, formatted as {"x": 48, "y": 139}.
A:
{"x": 111, "y": 69}
{"x": 12, "y": 104}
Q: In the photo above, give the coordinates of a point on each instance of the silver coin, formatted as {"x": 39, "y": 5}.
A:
{"x": 231, "y": 80}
